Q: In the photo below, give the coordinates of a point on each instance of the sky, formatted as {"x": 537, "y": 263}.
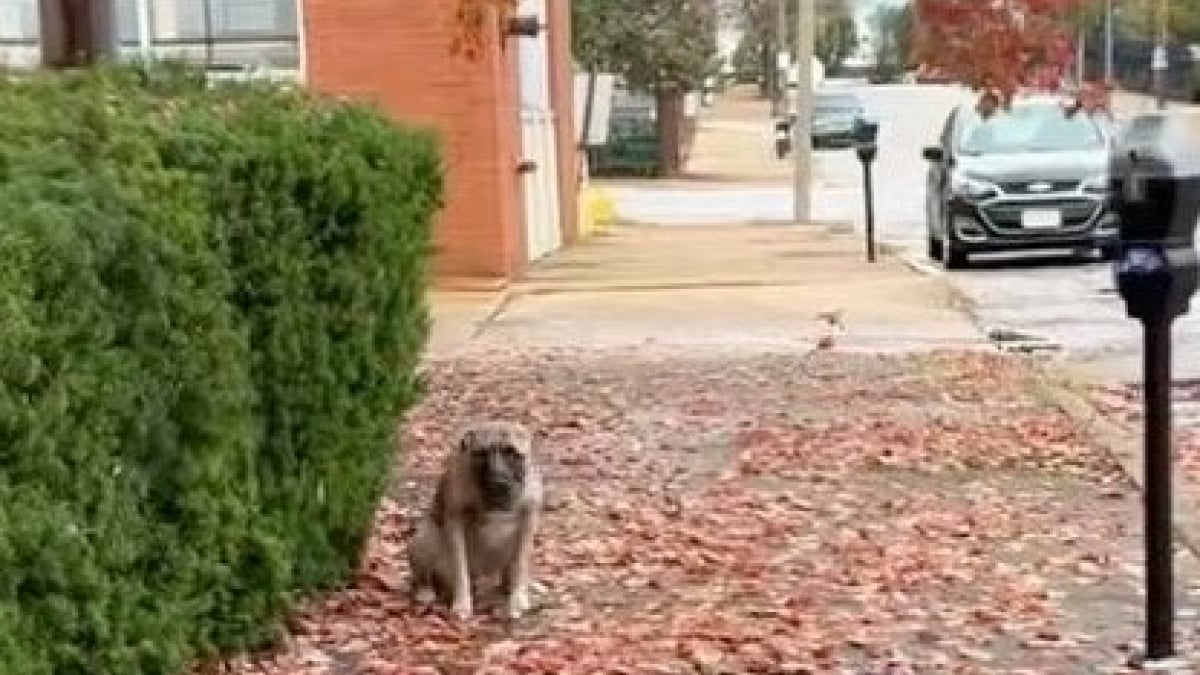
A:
{"x": 864, "y": 8}
{"x": 862, "y": 11}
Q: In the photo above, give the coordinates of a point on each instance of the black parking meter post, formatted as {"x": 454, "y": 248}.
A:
{"x": 867, "y": 151}
{"x": 1155, "y": 180}
{"x": 1160, "y": 583}
{"x": 783, "y": 138}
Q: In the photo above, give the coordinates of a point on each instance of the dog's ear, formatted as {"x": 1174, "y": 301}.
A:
{"x": 522, "y": 442}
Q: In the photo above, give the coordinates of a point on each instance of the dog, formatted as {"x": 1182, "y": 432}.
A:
{"x": 482, "y": 519}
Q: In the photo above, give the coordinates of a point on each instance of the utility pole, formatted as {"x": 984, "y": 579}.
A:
{"x": 77, "y": 33}
{"x": 778, "y": 81}
{"x": 802, "y": 130}
{"x": 1160, "y": 61}
{"x": 1080, "y": 56}
{"x": 1108, "y": 43}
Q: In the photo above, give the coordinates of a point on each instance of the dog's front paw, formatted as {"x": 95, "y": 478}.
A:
{"x": 424, "y": 596}
{"x": 462, "y": 608}
{"x": 518, "y": 603}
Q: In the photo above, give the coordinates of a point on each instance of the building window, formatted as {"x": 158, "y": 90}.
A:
{"x": 224, "y": 18}
{"x": 18, "y": 20}
{"x": 18, "y": 33}
{"x": 262, "y": 33}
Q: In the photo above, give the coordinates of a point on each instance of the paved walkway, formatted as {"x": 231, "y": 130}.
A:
{"x": 742, "y": 479}
{"x": 727, "y": 285}
{"x": 735, "y": 142}
{"x": 1129, "y": 103}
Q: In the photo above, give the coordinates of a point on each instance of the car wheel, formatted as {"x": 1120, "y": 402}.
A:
{"x": 955, "y": 258}
{"x": 953, "y": 255}
{"x": 934, "y": 248}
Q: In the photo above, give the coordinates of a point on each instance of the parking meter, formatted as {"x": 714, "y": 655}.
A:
{"x": 783, "y": 137}
{"x": 1155, "y": 182}
{"x": 866, "y": 134}
{"x": 866, "y": 149}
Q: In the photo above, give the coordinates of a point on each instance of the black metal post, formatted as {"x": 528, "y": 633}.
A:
{"x": 1160, "y": 602}
{"x": 867, "y": 151}
{"x": 1154, "y": 173}
{"x": 869, "y": 193}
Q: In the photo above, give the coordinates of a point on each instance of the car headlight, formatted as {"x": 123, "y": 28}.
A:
{"x": 1097, "y": 184}
{"x": 973, "y": 188}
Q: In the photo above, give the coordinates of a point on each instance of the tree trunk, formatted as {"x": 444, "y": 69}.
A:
{"x": 76, "y": 32}
{"x": 670, "y": 122}
{"x": 766, "y": 83}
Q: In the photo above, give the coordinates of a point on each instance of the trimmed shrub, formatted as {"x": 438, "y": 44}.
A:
{"x": 211, "y": 311}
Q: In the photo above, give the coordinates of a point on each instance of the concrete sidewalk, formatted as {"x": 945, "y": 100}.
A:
{"x": 1127, "y": 104}
{"x": 733, "y": 285}
{"x": 723, "y": 279}
{"x": 735, "y": 142}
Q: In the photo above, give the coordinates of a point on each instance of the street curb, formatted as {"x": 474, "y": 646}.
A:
{"x": 503, "y": 299}
{"x": 1122, "y": 444}
{"x": 919, "y": 265}
{"x": 958, "y": 298}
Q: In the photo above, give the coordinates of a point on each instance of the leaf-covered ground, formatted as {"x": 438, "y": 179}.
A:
{"x": 1123, "y": 404}
{"x": 765, "y": 513}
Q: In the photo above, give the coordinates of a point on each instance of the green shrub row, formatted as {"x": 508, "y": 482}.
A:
{"x": 211, "y": 311}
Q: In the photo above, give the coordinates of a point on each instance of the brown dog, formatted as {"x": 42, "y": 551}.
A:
{"x": 482, "y": 520}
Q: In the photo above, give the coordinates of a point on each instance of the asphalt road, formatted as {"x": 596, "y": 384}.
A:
{"x": 1066, "y": 300}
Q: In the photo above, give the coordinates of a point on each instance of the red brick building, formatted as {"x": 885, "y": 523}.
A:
{"x": 506, "y": 117}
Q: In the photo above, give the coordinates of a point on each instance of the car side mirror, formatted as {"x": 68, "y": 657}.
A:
{"x": 933, "y": 154}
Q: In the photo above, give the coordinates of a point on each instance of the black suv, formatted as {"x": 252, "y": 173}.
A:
{"x": 1033, "y": 176}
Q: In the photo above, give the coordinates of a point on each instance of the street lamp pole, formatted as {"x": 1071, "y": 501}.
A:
{"x": 802, "y": 130}
{"x": 1108, "y": 43}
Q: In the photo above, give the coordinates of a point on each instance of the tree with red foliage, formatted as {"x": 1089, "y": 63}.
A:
{"x": 1002, "y": 47}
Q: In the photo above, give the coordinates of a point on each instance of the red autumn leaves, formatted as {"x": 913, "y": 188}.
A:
{"x": 471, "y": 17}
{"x": 761, "y": 513}
{"x": 1001, "y": 47}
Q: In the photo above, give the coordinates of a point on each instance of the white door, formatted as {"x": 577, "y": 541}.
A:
{"x": 540, "y": 186}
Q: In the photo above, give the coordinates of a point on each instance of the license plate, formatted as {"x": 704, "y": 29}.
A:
{"x": 1041, "y": 219}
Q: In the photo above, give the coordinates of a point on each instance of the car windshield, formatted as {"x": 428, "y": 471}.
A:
{"x": 837, "y": 104}
{"x": 1029, "y": 128}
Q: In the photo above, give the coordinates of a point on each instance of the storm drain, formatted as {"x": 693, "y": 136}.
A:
{"x": 1021, "y": 342}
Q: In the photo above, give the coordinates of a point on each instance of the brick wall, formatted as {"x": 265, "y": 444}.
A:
{"x": 397, "y": 53}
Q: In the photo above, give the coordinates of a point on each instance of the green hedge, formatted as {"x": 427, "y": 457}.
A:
{"x": 211, "y": 310}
